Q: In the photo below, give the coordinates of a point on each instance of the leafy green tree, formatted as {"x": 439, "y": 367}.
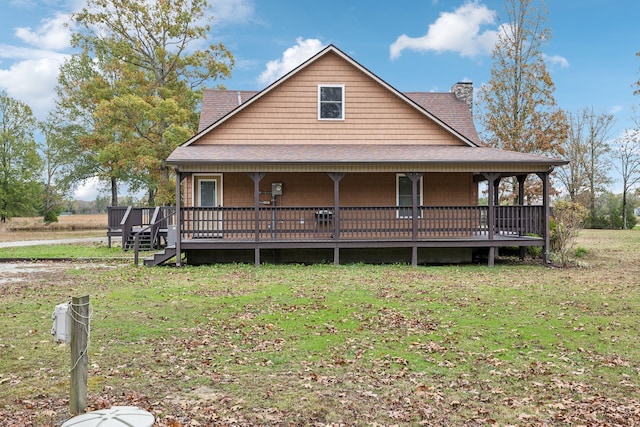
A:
{"x": 517, "y": 109}
{"x": 84, "y": 83}
{"x": 20, "y": 164}
{"x": 609, "y": 212}
{"x": 64, "y": 162}
{"x": 150, "y": 49}
{"x": 101, "y": 204}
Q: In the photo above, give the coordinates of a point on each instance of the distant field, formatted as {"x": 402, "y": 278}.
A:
{"x": 33, "y": 228}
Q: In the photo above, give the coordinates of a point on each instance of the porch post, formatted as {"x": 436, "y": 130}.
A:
{"x": 178, "y": 217}
{"x": 521, "y": 180}
{"x": 544, "y": 176}
{"x": 493, "y": 182}
{"x": 336, "y": 177}
{"x": 414, "y": 177}
{"x": 256, "y": 177}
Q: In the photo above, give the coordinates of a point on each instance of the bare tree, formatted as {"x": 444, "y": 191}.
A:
{"x": 573, "y": 176}
{"x": 627, "y": 156}
{"x": 587, "y": 148}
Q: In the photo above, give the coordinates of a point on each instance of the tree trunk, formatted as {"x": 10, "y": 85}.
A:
{"x": 151, "y": 197}
{"x": 624, "y": 208}
{"x": 114, "y": 191}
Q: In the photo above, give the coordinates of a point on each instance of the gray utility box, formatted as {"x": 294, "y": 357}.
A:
{"x": 276, "y": 189}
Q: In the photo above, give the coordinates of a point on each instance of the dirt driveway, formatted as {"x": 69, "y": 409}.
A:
{"x": 53, "y": 242}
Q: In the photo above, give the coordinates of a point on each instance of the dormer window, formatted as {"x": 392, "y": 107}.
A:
{"x": 330, "y": 102}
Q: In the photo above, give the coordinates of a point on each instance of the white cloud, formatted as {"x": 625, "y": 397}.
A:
{"x": 232, "y": 11}
{"x": 556, "y": 60}
{"x": 615, "y": 109}
{"x": 291, "y": 58}
{"x": 53, "y": 33}
{"x": 32, "y": 81}
{"x": 458, "y": 31}
{"x": 88, "y": 190}
{"x": 30, "y": 71}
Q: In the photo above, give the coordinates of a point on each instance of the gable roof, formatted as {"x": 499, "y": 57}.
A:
{"x": 227, "y": 100}
{"x": 444, "y": 109}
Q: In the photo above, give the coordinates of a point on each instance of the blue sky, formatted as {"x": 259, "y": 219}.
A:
{"x": 414, "y": 45}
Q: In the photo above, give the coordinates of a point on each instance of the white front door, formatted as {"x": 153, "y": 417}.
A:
{"x": 208, "y": 192}
{"x": 209, "y": 221}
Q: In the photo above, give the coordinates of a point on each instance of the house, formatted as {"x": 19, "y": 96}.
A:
{"x": 331, "y": 163}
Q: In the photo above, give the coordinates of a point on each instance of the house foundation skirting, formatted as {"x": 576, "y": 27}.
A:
{"x": 417, "y": 252}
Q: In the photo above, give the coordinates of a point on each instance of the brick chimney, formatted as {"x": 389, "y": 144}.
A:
{"x": 464, "y": 92}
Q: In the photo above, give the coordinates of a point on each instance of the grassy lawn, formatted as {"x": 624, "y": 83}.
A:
{"x": 73, "y": 251}
{"x": 518, "y": 344}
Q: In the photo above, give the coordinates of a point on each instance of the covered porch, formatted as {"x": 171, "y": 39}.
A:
{"x": 341, "y": 197}
{"x": 338, "y": 227}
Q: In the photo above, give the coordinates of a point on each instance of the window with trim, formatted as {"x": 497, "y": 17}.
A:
{"x": 330, "y": 102}
{"x": 404, "y": 196}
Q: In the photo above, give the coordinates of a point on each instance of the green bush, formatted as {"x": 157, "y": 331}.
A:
{"x": 580, "y": 252}
{"x": 50, "y": 216}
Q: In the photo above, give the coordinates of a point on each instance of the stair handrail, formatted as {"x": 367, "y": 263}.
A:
{"x": 136, "y": 236}
{"x": 126, "y": 226}
{"x": 155, "y": 225}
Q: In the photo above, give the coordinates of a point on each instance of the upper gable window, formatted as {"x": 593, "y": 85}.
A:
{"x": 331, "y": 102}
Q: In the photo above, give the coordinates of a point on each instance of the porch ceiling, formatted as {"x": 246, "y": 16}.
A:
{"x": 355, "y": 158}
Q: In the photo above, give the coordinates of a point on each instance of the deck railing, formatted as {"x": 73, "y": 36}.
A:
{"x": 126, "y": 221}
{"x": 356, "y": 223}
{"x": 115, "y": 215}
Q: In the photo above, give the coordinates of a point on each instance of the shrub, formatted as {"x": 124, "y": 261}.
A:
{"x": 567, "y": 222}
{"x": 50, "y": 216}
{"x": 580, "y": 252}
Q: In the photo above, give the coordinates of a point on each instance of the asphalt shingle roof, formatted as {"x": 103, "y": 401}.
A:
{"x": 336, "y": 154}
{"x": 217, "y": 103}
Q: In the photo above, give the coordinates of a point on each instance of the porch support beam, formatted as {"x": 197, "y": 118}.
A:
{"x": 544, "y": 176}
{"x": 521, "y": 181}
{"x": 493, "y": 183}
{"x": 496, "y": 191}
{"x": 336, "y": 177}
{"x": 415, "y": 178}
{"x": 179, "y": 178}
{"x": 256, "y": 177}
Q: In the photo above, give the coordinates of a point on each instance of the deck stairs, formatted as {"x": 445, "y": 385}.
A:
{"x": 145, "y": 239}
{"x": 161, "y": 257}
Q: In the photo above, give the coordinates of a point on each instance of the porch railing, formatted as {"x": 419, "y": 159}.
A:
{"x": 356, "y": 223}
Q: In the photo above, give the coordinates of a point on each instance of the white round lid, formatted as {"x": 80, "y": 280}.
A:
{"x": 116, "y": 416}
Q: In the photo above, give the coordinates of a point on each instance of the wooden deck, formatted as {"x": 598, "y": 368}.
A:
{"x": 322, "y": 227}
{"x": 357, "y": 223}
